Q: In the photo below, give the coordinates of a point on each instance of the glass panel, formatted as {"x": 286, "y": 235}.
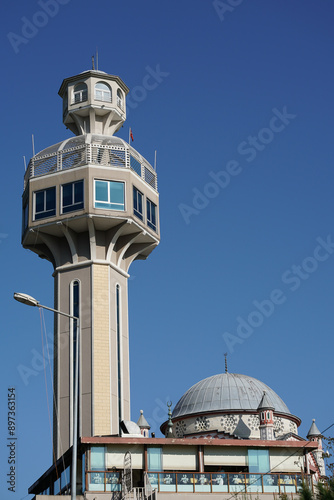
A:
{"x": 237, "y": 482}
{"x": 202, "y": 482}
{"x": 45, "y": 203}
{"x": 137, "y": 203}
{"x": 65, "y": 477}
{"x": 263, "y": 457}
{"x": 135, "y": 165}
{"x": 113, "y": 481}
{"x": 258, "y": 460}
{"x": 39, "y": 201}
{"x": 78, "y": 192}
{"x": 25, "y": 216}
{"x": 288, "y": 483}
{"x": 185, "y": 482}
{"x": 116, "y": 192}
{"x": 50, "y": 198}
{"x": 219, "y": 482}
{"x": 153, "y": 478}
{"x": 270, "y": 483}
{"x": 67, "y": 194}
{"x": 151, "y": 222}
{"x": 102, "y": 92}
{"x": 83, "y": 472}
{"x": 96, "y": 481}
{"x": 97, "y": 458}
{"x": 109, "y": 195}
{"x": 254, "y": 482}
{"x": 167, "y": 482}
{"x": 72, "y": 196}
{"x": 101, "y": 190}
{"x": 154, "y": 458}
{"x": 299, "y": 481}
{"x": 140, "y": 203}
{"x": 153, "y": 215}
{"x": 56, "y": 487}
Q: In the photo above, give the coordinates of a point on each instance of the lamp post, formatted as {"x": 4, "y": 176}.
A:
{"x": 30, "y": 301}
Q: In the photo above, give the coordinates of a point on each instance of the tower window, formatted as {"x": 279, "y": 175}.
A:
{"x": 25, "y": 217}
{"x": 72, "y": 196}
{"x": 151, "y": 214}
{"x": 120, "y": 100}
{"x": 102, "y": 92}
{"x": 137, "y": 203}
{"x": 44, "y": 203}
{"x": 80, "y": 93}
{"x": 109, "y": 195}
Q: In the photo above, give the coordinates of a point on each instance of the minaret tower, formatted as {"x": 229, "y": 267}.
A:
{"x": 315, "y": 435}
{"x": 266, "y": 415}
{"x": 91, "y": 207}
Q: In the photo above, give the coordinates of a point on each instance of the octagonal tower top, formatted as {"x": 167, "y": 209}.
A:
{"x": 93, "y": 102}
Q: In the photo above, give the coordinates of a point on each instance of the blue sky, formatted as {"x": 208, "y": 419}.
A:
{"x": 245, "y": 96}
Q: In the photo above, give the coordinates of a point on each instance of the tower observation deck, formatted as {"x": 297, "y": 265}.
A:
{"x": 91, "y": 207}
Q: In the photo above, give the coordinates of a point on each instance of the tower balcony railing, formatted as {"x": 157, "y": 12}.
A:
{"x": 204, "y": 482}
{"x": 95, "y": 154}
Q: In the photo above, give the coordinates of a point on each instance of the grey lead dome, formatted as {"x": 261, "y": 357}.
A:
{"x": 226, "y": 391}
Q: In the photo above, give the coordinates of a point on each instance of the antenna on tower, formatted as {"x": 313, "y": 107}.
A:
{"x": 97, "y": 60}
{"x": 93, "y": 63}
{"x": 225, "y": 362}
{"x": 33, "y": 144}
{"x": 25, "y": 163}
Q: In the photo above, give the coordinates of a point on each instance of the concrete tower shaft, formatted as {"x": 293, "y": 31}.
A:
{"x": 91, "y": 207}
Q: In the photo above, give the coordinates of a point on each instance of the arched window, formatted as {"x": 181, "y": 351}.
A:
{"x": 80, "y": 93}
{"x": 102, "y": 92}
{"x": 74, "y": 311}
{"x": 120, "y": 102}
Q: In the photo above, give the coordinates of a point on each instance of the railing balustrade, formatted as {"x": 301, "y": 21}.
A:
{"x": 198, "y": 482}
{"x": 96, "y": 154}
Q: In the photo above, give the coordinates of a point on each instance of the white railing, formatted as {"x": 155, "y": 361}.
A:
{"x": 97, "y": 154}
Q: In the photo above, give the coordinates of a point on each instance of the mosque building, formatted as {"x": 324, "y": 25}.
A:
{"x": 91, "y": 207}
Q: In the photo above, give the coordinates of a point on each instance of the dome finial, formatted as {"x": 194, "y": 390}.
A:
{"x": 169, "y": 433}
{"x": 225, "y": 362}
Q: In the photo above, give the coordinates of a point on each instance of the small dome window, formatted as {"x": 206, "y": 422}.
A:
{"x": 120, "y": 99}
{"x": 102, "y": 92}
{"x": 80, "y": 93}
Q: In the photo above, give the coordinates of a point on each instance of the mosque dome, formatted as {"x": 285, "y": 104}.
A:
{"x": 227, "y": 392}
{"x": 227, "y": 405}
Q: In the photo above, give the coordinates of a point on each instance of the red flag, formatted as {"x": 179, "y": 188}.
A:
{"x": 131, "y": 135}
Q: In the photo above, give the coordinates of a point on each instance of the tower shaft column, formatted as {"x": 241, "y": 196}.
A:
{"x": 98, "y": 294}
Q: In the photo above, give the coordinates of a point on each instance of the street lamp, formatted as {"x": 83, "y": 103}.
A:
{"x": 30, "y": 301}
